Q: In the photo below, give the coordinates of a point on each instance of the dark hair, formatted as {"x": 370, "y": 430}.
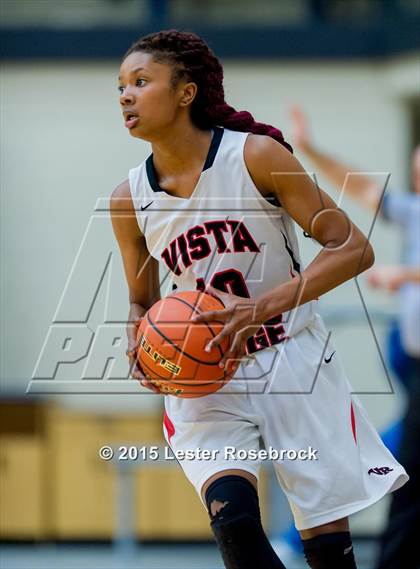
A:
{"x": 191, "y": 58}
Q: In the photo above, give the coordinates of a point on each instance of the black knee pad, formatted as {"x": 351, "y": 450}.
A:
{"x": 236, "y": 494}
{"x": 330, "y": 551}
{"x": 233, "y": 507}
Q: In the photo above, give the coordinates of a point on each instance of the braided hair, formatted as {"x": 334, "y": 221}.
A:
{"x": 192, "y": 59}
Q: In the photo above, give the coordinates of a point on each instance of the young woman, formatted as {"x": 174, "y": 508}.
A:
{"x": 214, "y": 203}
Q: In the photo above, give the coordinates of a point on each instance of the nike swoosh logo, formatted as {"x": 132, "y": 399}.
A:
{"x": 146, "y": 206}
{"x": 327, "y": 360}
{"x": 306, "y": 234}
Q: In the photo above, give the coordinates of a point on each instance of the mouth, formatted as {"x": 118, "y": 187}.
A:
{"x": 130, "y": 119}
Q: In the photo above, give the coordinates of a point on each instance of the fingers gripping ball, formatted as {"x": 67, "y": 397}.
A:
{"x": 171, "y": 347}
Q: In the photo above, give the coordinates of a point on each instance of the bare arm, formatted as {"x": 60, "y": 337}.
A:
{"x": 141, "y": 269}
{"x": 361, "y": 187}
{"x": 346, "y": 251}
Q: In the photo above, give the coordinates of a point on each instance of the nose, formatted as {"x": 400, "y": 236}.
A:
{"x": 126, "y": 98}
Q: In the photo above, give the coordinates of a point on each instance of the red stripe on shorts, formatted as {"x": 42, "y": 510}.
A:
{"x": 169, "y": 426}
{"x": 353, "y": 422}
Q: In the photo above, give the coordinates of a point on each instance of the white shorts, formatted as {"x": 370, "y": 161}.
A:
{"x": 292, "y": 397}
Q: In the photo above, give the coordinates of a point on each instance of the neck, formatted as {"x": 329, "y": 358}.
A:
{"x": 182, "y": 149}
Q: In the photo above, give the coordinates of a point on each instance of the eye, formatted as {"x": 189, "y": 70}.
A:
{"x": 120, "y": 89}
{"x": 140, "y": 82}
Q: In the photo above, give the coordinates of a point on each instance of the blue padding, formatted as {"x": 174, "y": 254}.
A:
{"x": 400, "y": 362}
{"x": 392, "y": 437}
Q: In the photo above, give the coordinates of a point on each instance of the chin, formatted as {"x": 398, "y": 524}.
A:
{"x": 135, "y": 132}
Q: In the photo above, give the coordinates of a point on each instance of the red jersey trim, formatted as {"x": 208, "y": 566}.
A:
{"x": 169, "y": 426}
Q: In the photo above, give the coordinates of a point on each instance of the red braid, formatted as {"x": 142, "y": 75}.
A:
{"x": 192, "y": 58}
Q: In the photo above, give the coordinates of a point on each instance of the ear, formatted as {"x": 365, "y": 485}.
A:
{"x": 188, "y": 94}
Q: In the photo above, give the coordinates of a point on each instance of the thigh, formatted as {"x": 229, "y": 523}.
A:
{"x": 205, "y": 434}
{"x": 332, "y": 527}
{"x": 235, "y": 472}
{"x": 343, "y": 465}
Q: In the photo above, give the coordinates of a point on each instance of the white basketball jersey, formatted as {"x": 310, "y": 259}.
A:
{"x": 226, "y": 234}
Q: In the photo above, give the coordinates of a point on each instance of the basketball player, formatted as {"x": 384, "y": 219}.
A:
{"x": 207, "y": 205}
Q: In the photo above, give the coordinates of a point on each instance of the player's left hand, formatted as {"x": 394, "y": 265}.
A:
{"x": 240, "y": 320}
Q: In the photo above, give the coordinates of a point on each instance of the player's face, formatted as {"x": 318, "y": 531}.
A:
{"x": 148, "y": 99}
{"x": 416, "y": 170}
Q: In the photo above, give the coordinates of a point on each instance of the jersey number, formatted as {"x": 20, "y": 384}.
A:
{"x": 232, "y": 281}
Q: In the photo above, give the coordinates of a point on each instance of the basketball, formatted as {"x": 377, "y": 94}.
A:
{"x": 171, "y": 348}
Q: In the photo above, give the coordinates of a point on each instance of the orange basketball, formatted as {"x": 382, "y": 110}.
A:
{"x": 171, "y": 347}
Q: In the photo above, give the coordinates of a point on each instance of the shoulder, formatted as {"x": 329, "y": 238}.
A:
{"x": 263, "y": 155}
{"x": 123, "y": 214}
{"x": 121, "y": 197}
{"x": 261, "y": 150}
{"x": 401, "y": 207}
{"x": 122, "y": 190}
{"x": 408, "y": 200}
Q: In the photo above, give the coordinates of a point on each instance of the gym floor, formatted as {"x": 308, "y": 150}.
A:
{"x": 145, "y": 557}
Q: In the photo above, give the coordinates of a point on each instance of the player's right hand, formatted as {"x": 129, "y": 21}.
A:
{"x": 134, "y": 321}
